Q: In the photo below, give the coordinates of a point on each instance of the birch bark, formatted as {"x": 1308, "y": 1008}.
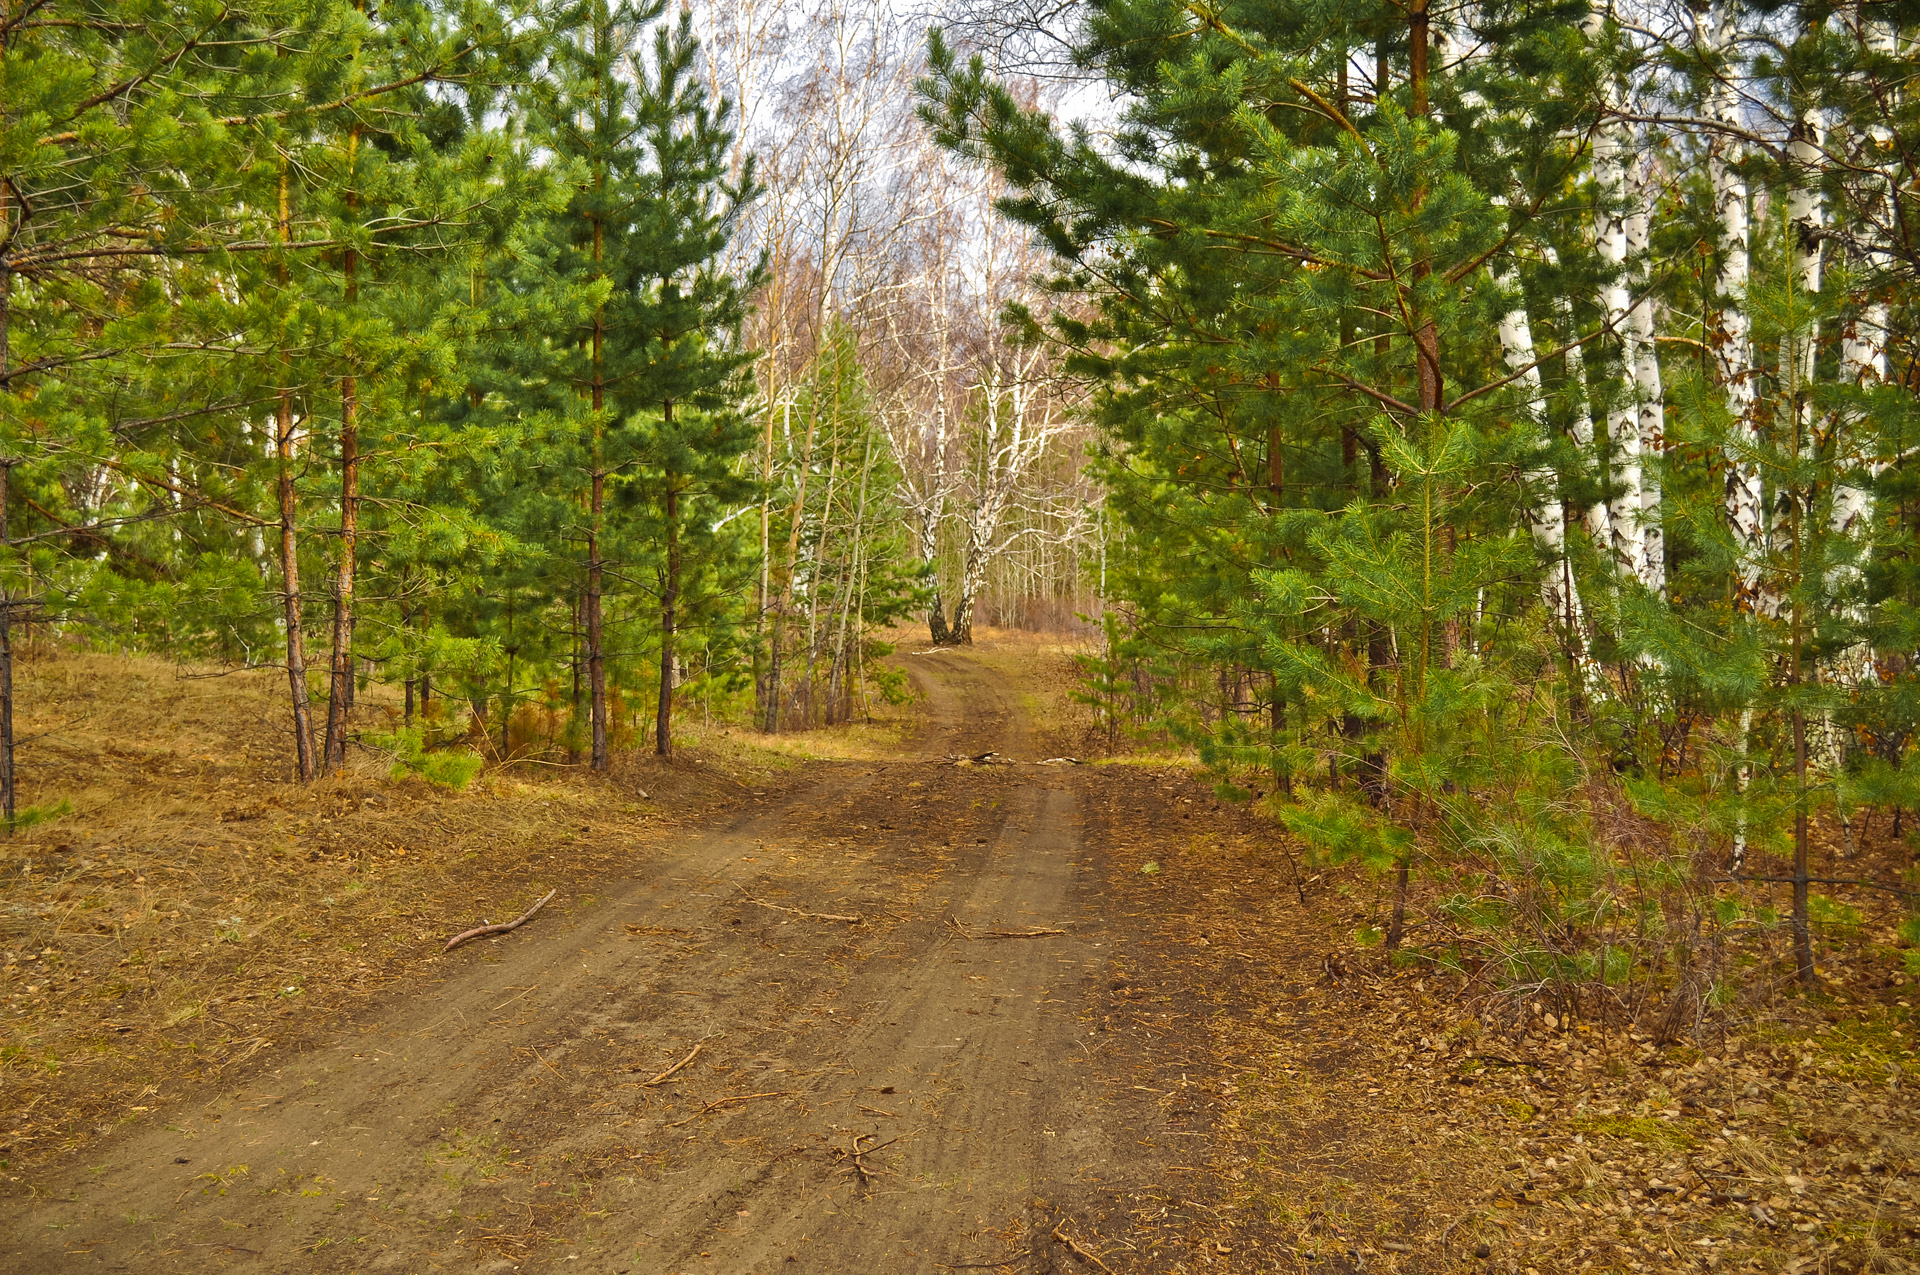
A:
{"x": 1732, "y": 335}
{"x": 1623, "y": 430}
{"x": 1648, "y": 395}
{"x": 1558, "y": 588}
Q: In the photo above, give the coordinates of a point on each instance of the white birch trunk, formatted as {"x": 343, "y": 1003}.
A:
{"x": 1598, "y": 524}
{"x": 1732, "y": 343}
{"x": 1863, "y": 363}
{"x": 1623, "y": 429}
{"x": 1649, "y": 400}
{"x": 1558, "y": 588}
{"x": 1732, "y": 336}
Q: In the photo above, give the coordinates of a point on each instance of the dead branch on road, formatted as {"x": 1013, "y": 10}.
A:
{"x": 811, "y": 916}
{"x": 858, "y": 1165}
{"x": 662, "y": 1078}
{"x": 718, "y": 1103}
{"x": 484, "y": 930}
{"x": 1085, "y": 1254}
{"x": 1031, "y": 932}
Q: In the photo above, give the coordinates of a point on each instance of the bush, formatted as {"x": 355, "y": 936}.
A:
{"x": 452, "y": 768}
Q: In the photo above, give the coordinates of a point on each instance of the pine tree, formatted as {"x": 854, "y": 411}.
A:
{"x": 637, "y": 392}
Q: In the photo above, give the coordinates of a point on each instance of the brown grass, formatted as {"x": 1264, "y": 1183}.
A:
{"x": 1401, "y": 1119}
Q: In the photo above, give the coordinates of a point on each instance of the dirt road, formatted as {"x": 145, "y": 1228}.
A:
{"x": 908, "y": 1090}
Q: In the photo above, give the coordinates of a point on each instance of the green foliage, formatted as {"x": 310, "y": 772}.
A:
{"x": 1347, "y": 494}
{"x": 448, "y": 767}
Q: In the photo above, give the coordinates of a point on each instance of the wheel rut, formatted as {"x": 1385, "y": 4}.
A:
{"x": 891, "y": 1095}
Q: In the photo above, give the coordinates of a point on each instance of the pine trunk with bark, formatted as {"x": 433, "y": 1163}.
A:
{"x": 306, "y": 764}
{"x": 596, "y": 508}
{"x": 669, "y": 602}
{"x": 340, "y": 680}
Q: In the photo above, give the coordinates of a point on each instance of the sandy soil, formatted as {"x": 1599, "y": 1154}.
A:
{"x": 912, "y": 1089}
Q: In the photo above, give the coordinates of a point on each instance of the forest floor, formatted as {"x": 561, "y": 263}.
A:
{"x": 853, "y": 1001}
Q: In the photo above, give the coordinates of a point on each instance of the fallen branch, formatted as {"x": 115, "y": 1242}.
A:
{"x": 1031, "y": 932}
{"x": 1079, "y": 1252}
{"x": 811, "y": 916}
{"x": 858, "y": 1165}
{"x": 727, "y": 1102}
{"x": 663, "y": 1077}
{"x": 483, "y": 930}
{"x": 1743, "y": 878}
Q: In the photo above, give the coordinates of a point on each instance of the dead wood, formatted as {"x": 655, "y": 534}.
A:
{"x": 718, "y": 1103}
{"x": 1082, "y": 1253}
{"x": 483, "y": 930}
{"x": 664, "y": 1076}
{"x": 811, "y": 916}
{"x": 1032, "y": 932}
{"x": 859, "y": 1165}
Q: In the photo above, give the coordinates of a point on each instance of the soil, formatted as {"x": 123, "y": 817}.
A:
{"x": 919, "y": 1086}
{"x": 946, "y": 1001}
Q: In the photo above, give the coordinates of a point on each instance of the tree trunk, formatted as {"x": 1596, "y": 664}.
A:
{"x": 1731, "y": 336}
{"x": 775, "y": 692}
{"x": 7, "y": 792}
{"x": 1863, "y": 363}
{"x": 1623, "y": 426}
{"x": 308, "y": 767}
{"x": 929, "y": 533}
{"x": 1580, "y": 426}
{"x": 1802, "y": 920}
{"x": 340, "y": 681}
{"x": 596, "y": 654}
{"x": 341, "y": 672}
{"x": 1397, "y": 927}
{"x": 305, "y": 763}
{"x": 1558, "y": 589}
{"x": 6, "y": 483}
{"x": 1649, "y": 397}
{"x": 669, "y": 599}
{"x": 596, "y": 504}
{"x": 973, "y": 574}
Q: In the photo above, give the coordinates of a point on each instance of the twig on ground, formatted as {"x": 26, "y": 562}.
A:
{"x": 483, "y": 930}
{"x": 1031, "y": 932}
{"x": 664, "y": 1076}
{"x": 718, "y": 1103}
{"x": 858, "y": 1165}
{"x": 1082, "y": 1253}
{"x": 811, "y": 916}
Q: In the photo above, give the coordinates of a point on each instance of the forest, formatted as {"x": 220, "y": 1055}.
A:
{"x": 536, "y": 359}
{"x": 1469, "y": 440}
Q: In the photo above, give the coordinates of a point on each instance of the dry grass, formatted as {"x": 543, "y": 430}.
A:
{"x": 1401, "y": 1119}
{"x": 197, "y": 906}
